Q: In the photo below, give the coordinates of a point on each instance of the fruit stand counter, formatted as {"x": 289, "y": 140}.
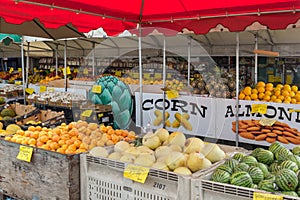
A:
{"x": 48, "y": 175}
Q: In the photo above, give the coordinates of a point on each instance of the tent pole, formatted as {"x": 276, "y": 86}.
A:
{"x": 164, "y": 81}
{"x": 141, "y": 75}
{"x": 256, "y": 59}
{"x": 23, "y": 69}
{"x": 189, "y": 60}
{"x": 27, "y": 64}
{"x": 93, "y": 59}
{"x": 65, "y": 64}
{"x": 237, "y": 88}
{"x": 56, "y": 60}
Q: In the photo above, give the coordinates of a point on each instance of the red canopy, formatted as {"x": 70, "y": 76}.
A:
{"x": 116, "y": 16}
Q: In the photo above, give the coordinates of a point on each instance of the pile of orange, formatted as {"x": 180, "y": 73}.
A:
{"x": 76, "y": 137}
{"x": 268, "y": 92}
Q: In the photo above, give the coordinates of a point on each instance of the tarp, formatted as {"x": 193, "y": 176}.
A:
{"x": 116, "y": 16}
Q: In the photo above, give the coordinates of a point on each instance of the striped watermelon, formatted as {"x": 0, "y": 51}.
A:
{"x": 220, "y": 176}
{"x": 270, "y": 177}
{"x": 298, "y": 191}
{"x": 231, "y": 163}
{"x": 249, "y": 160}
{"x": 241, "y": 179}
{"x": 274, "y": 147}
{"x": 256, "y": 151}
{"x": 225, "y": 168}
{"x": 296, "y": 150}
{"x": 287, "y": 180}
{"x": 265, "y": 156}
{"x": 241, "y": 167}
{"x": 275, "y": 167}
{"x": 238, "y": 156}
{"x": 264, "y": 168}
{"x": 295, "y": 159}
{"x": 268, "y": 185}
{"x": 256, "y": 174}
{"x": 254, "y": 186}
{"x": 282, "y": 154}
{"x": 290, "y": 193}
{"x": 288, "y": 164}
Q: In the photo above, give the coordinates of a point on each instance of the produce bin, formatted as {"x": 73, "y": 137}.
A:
{"x": 49, "y": 175}
{"x": 204, "y": 189}
{"x": 102, "y": 178}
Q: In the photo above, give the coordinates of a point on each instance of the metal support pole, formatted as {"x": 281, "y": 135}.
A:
{"x": 65, "y": 65}
{"x": 94, "y": 59}
{"x": 256, "y": 59}
{"x": 189, "y": 61}
{"x": 23, "y": 69}
{"x": 164, "y": 81}
{"x": 56, "y": 60}
{"x": 27, "y": 65}
{"x": 237, "y": 89}
{"x": 141, "y": 75}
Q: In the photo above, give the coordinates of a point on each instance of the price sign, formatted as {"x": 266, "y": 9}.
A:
{"x": 43, "y": 88}
{"x": 169, "y": 76}
{"x": 11, "y": 70}
{"x": 87, "y": 113}
{"x": 35, "y": 70}
{"x": 97, "y": 89}
{"x": 259, "y": 108}
{"x": 147, "y": 76}
{"x": 25, "y": 153}
{"x": 157, "y": 76}
{"x": 118, "y": 73}
{"x": 64, "y": 71}
{"x": 68, "y": 70}
{"x": 19, "y": 69}
{"x": 136, "y": 173}
{"x": 29, "y": 90}
{"x": 18, "y": 82}
{"x": 85, "y": 71}
{"x": 267, "y": 122}
{"x": 135, "y": 75}
{"x": 172, "y": 94}
{"x": 293, "y": 110}
{"x": 100, "y": 115}
{"x": 76, "y": 70}
{"x": 266, "y": 196}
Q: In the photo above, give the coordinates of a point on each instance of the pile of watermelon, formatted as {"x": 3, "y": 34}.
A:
{"x": 274, "y": 170}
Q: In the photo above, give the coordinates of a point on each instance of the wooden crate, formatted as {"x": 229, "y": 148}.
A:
{"x": 48, "y": 176}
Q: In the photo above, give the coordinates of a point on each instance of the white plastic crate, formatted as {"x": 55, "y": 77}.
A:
{"x": 103, "y": 179}
{"x": 204, "y": 189}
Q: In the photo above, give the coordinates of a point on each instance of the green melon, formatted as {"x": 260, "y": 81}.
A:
{"x": 274, "y": 147}
{"x": 256, "y": 174}
{"x": 225, "y": 168}
{"x": 288, "y": 164}
{"x": 249, "y": 160}
{"x": 295, "y": 159}
{"x": 220, "y": 176}
{"x": 238, "y": 156}
{"x": 287, "y": 180}
{"x": 265, "y": 156}
{"x": 241, "y": 167}
{"x": 241, "y": 179}
{"x": 231, "y": 163}
{"x": 264, "y": 168}
{"x": 282, "y": 154}
{"x": 268, "y": 185}
{"x": 256, "y": 151}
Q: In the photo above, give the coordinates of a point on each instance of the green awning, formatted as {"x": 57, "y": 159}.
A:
{"x": 9, "y": 38}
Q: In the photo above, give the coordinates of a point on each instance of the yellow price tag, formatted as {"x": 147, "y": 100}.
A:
{"x": 266, "y": 196}
{"x": 19, "y": 69}
{"x": 25, "y": 153}
{"x": 172, "y": 94}
{"x": 147, "y": 76}
{"x": 169, "y": 76}
{"x": 64, "y": 71}
{"x": 100, "y": 115}
{"x": 97, "y": 89}
{"x": 85, "y": 71}
{"x": 259, "y": 108}
{"x": 76, "y": 70}
{"x": 68, "y": 70}
{"x": 29, "y": 90}
{"x": 271, "y": 78}
{"x": 135, "y": 75}
{"x": 35, "y": 70}
{"x": 293, "y": 110}
{"x": 118, "y": 73}
{"x": 267, "y": 122}
{"x": 43, "y": 88}
{"x": 11, "y": 70}
{"x": 18, "y": 82}
{"x": 87, "y": 113}
{"x": 136, "y": 173}
{"x": 157, "y": 76}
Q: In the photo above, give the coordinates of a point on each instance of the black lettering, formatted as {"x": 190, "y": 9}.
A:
{"x": 176, "y": 105}
{"x": 158, "y": 101}
{"x": 269, "y": 108}
{"x": 195, "y": 106}
{"x": 297, "y": 118}
{"x": 283, "y": 111}
{"x": 150, "y": 101}
{"x": 248, "y": 112}
{"x": 229, "y": 112}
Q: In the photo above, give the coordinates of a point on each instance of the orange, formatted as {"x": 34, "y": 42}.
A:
{"x": 69, "y": 151}
{"x": 34, "y": 135}
{"x": 297, "y": 97}
{"x": 72, "y": 147}
{"x": 61, "y": 142}
{"x": 287, "y": 102}
{"x": 261, "y": 84}
{"x": 288, "y": 99}
{"x": 69, "y": 142}
{"x": 267, "y": 98}
{"x": 27, "y": 133}
{"x": 261, "y": 96}
{"x": 280, "y": 86}
{"x": 269, "y": 86}
{"x": 278, "y": 101}
{"x": 281, "y": 97}
{"x": 247, "y": 98}
{"x": 268, "y": 93}
{"x": 39, "y": 144}
{"x": 294, "y": 101}
{"x": 254, "y": 91}
{"x": 254, "y": 96}
{"x": 45, "y": 146}
{"x": 241, "y": 96}
{"x": 55, "y": 138}
{"x": 38, "y": 128}
{"x": 60, "y": 150}
{"x": 80, "y": 150}
{"x": 273, "y": 98}
{"x": 20, "y": 132}
{"x": 261, "y": 89}
{"x": 65, "y": 146}
{"x": 277, "y": 93}
{"x": 294, "y": 88}
{"x": 54, "y": 145}
{"x": 111, "y": 132}
{"x": 103, "y": 128}
{"x": 77, "y": 143}
{"x": 24, "y": 142}
{"x": 7, "y": 138}
{"x": 247, "y": 91}
{"x": 44, "y": 138}
{"x": 287, "y": 87}
{"x": 31, "y": 128}
{"x": 285, "y": 93}
{"x": 292, "y": 94}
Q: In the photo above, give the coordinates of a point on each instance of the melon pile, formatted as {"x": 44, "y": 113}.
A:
{"x": 273, "y": 170}
{"x": 164, "y": 151}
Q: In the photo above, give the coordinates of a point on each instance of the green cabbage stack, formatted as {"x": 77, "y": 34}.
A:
{"x": 117, "y": 94}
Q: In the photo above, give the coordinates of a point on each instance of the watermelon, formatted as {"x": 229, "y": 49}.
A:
{"x": 296, "y": 150}
{"x": 249, "y": 160}
{"x": 275, "y": 167}
{"x": 241, "y": 167}
{"x": 241, "y": 179}
{"x": 238, "y": 156}
{"x": 264, "y": 168}
{"x": 270, "y": 177}
{"x": 287, "y": 180}
{"x": 288, "y": 164}
{"x": 225, "y": 168}
{"x": 274, "y": 147}
{"x": 256, "y": 151}
{"x": 290, "y": 193}
{"x": 295, "y": 159}
{"x": 231, "y": 163}
{"x": 254, "y": 186}
{"x": 256, "y": 174}
{"x": 282, "y": 154}
{"x": 220, "y": 176}
{"x": 298, "y": 191}
{"x": 268, "y": 185}
{"x": 265, "y": 156}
